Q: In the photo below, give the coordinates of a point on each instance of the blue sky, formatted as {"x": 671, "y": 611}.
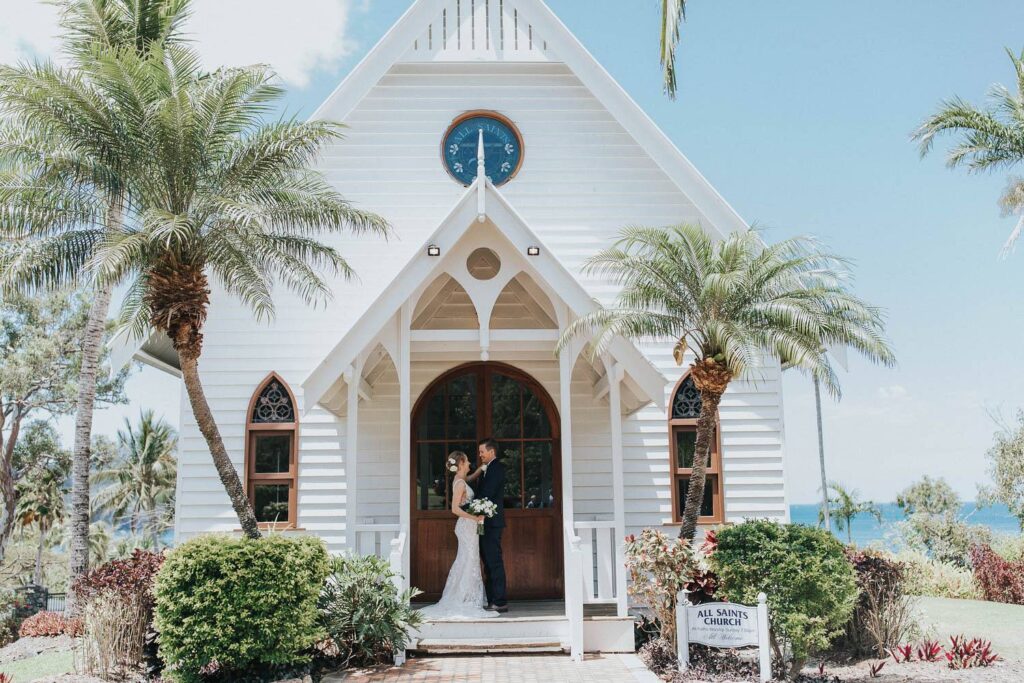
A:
{"x": 799, "y": 113}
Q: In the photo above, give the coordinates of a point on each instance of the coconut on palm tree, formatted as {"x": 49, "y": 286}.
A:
{"x": 845, "y": 505}
{"x": 989, "y": 138}
{"x": 64, "y": 160}
{"x": 136, "y": 488}
{"x": 218, "y": 194}
{"x": 729, "y": 306}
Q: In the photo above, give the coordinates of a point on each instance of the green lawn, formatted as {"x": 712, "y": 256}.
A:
{"x": 1002, "y": 624}
{"x": 47, "y": 664}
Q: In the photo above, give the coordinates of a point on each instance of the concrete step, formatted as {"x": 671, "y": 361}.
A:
{"x": 546, "y": 629}
{"x": 447, "y": 646}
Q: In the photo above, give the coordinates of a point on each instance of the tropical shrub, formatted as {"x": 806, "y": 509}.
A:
{"x": 9, "y": 620}
{"x": 659, "y": 567}
{"x": 811, "y": 587}
{"x": 884, "y": 615}
{"x": 49, "y": 624}
{"x": 365, "y": 617}
{"x": 968, "y": 654}
{"x": 998, "y": 579}
{"x": 116, "y": 602}
{"x": 930, "y": 577}
{"x": 230, "y": 605}
{"x": 1009, "y": 546}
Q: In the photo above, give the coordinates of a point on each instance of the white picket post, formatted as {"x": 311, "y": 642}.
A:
{"x": 682, "y": 631}
{"x": 762, "y": 637}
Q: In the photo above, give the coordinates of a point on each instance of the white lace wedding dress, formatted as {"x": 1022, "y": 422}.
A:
{"x": 463, "y": 596}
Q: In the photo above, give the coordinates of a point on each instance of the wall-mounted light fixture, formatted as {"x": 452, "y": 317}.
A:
{"x": 533, "y": 251}
{"x": 433, "y": 250}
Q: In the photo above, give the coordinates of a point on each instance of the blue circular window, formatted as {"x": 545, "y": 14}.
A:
{"x": 503, "y": 148}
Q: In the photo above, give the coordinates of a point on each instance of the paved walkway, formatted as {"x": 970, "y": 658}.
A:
{"x": 511, "y": 669}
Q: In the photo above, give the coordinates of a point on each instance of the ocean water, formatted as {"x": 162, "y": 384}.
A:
{"x": 866, "y": 530}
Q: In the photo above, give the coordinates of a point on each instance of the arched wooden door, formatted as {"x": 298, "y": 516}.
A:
{"x": 458, "y": 409}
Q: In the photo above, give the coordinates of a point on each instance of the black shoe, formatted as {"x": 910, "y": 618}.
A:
{"x": 500, "y": 609}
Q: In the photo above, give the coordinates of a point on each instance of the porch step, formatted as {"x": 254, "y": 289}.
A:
{"x": 438, "y": 646}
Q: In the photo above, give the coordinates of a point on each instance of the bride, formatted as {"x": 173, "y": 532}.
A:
{"x": 463, "y": 596}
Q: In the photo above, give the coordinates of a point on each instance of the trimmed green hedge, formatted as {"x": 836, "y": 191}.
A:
{"x": 233, "y": 604}
{"x": 811, "y": 587}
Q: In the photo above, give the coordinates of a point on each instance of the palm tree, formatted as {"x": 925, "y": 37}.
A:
{"x": 42, "y": 488}
{"x": 845, "y": 505}
{"x": 137, "y": 487}
{"x": 990, "y": 139}
{"x": 218, "y": 192}
{"x": 66, "y": 180}
{"x": 731, "y": 304}
{"x": 673, "y": 14}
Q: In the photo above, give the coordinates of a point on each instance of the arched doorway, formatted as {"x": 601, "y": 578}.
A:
{"x": 458, "y": 409}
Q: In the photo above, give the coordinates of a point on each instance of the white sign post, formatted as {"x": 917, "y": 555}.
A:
{"x": 723, "y": 624}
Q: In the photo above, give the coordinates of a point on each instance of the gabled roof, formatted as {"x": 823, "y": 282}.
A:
{"x": 558, "y": 43}
{"x": 481, "y": 199}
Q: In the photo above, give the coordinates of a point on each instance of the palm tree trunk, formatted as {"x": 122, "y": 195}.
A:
{"x": 92, "y": 346}
{"x": 37, "y": 577}
{"x": 208, "y": 426}
{"x": 702, "y": 454}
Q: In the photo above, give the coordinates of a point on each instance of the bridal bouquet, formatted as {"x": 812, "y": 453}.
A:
{"x": 482, "y": 506}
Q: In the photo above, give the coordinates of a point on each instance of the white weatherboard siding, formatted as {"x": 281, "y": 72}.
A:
{"x": 583, "y": 178}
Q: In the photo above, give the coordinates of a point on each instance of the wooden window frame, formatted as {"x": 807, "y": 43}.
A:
{"x": 714, "y": 465}
{"x": 253, "y": 431}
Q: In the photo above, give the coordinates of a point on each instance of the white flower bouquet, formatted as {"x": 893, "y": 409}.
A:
{"x": 482, "y": 506}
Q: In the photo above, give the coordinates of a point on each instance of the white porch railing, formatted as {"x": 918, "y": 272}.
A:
{"x": 597, "y": 544}
{"x": 396, "y": 559}
{"x": 574, "y": 594}
{"x": 376, "y": 539}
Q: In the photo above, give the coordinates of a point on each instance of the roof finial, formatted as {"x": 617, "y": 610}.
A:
{"x": 481, "y": 179}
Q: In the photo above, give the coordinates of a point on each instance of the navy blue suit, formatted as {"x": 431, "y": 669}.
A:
{"x": 492, "y": 487}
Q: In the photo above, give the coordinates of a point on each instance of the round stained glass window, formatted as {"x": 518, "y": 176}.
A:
{"x": 503, "y": 147}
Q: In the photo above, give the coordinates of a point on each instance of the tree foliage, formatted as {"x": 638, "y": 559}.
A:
{"x": 1006, "y": 467}
{"x": 845, "y": 505}
{"x": 988, "y": 138}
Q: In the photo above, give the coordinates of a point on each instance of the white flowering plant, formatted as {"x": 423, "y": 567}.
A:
{"x": 482, "y": 506}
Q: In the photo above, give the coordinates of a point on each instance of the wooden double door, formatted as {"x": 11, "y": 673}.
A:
{"x": 463, "y": 406}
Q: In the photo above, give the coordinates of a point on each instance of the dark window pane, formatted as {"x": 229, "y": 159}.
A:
{"x": 707, "y": 507}
{"x": 461, "y": 417}
{"x": 505, "y": 407}
{"x": 686, "y": 444}
{"x": 271, "y": 504}
{"x": 540, "y": 491}
{"x": 535, "y": 418}
{"x": 273, "y": 454}
{"x": 431, "y": 424}
{"x": 431, "y": 482}
{"x": 511, "y": 457}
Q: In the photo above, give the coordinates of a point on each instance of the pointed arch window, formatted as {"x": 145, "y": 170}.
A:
{"x": 271, "y": 454}
{"x": 682, "y": 426}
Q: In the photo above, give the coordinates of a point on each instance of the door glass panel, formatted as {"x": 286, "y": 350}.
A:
{"x": 707, "y": 507}
{"x": 431, "y": 424}
{"x": 505, "y": 407}
{"x": 686, "y": 445}
{"x": 462, "y": 407}
{"x": 431, "y": 484}
{"x": 271, "y": 502}
{"x": 535, "y": 418}
{"x": 540, "y": 492}
{"x": 512, "y": 457}
{"x": 273, "y": 454}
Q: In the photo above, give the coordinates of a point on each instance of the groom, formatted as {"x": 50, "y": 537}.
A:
{"x": 492, "y": 487}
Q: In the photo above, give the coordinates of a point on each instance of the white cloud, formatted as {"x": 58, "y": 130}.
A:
{"x": 296, "y": 38}
{"x": 27, "y": 28}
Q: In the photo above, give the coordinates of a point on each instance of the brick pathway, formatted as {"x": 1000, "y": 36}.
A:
{"x": 510, "y": 669}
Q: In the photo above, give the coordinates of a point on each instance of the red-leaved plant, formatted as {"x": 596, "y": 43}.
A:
{"x": 876, "y": 669}
{"x": 929, "y": 650}
{"x": 6, "y": 678}
{"x": 902, "y": 653}
{"x": 129, "y": 578}
{"x": 1000, "y": 579}
{"x": 48, "y": 624}
{"x": 968, "y": 654}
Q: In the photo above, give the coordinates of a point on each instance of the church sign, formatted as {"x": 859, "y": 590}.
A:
{"x": 724, "y": 625}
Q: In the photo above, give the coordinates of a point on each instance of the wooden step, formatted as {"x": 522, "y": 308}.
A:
{"x": 448, "y": 646}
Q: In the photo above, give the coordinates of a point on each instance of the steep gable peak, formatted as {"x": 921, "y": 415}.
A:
{"x": 480, "y": 30}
